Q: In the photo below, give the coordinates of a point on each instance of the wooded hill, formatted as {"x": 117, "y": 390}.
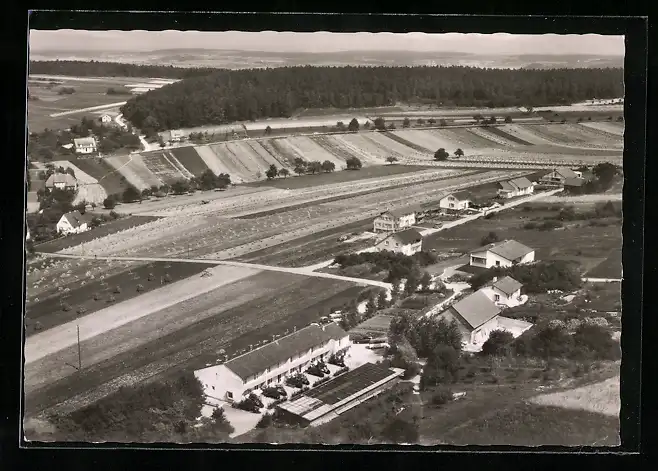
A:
{"x": 113, "y": 69}
{"x": 226, "y": 96}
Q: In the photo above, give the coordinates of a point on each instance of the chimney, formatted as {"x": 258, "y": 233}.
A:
{"x": 495, "y": 278}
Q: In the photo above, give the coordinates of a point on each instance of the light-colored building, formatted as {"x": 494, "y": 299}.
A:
{"x": 455, "y": 201}
{"x": 501, "y": 254}
{"x": 61, "y": 181}
{"x": 477, "y": 316}
{"x": 106, "y": 118}
{"x": 558, "y": 176}
{"x": 272, "y": 362}
{"x": 504, "y": 292}
{"x": 515, "y": 187}
{"x": 395, "y": 220}
{"x": 73, "y": 223}
{"x": 85, "y": 145}
{"x": 176, "y": 135}
{"x": 407, "y": 242}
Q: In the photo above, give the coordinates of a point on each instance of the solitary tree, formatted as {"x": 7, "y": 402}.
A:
{"x": 459, "y": 152}
{"x": 443, "y": 122}
{"x": 271, "y": 172}
{"x": 328, "y": 166}
{"x": 406, "y": 123}
{"x": 268, "y": 131}
{"x": 380, "y": 123}
{"x": 180, "y": 187}
{"x": 353, "y": 163}
{"x": 391, "y": 160}
{"x": 340, "y": 126}
{"x": 109, "y": 203}
{"x": 420, "y": 121}
{"x": 425, "y": 281}
{"x": 508, "y": 119}
{"x": 131, "y": 194}
{"x": 441, "y": 154}
{"x": 284, "y": 172}
{"x": 431, "y": 120}
{"x": 354, "y": 125}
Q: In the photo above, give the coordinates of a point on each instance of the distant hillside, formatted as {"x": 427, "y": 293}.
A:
{"x": 226, "y": 96}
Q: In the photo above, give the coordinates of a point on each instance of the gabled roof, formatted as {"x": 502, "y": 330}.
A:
{"x": 460, "y": 195}
{"x": 61, "y": 178}
{"x": 76, "y": 219}
{"x": 84, "y": 141}
{"x": 269, "y": 355}
{"x": 398, "y": 213}
{"x": 515, "y": 184}
{"x": 507, "y": 285}
{"x": 406, "y": 237}
{"x": 508, "y": 249}
{"x": 565, "y": 172}
{"x": 475, "y": 309}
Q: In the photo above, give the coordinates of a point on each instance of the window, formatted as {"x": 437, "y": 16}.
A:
{"x": 452, "y": 205}
{"x": 497, "y": 263}
{"x": 229, "y": 394}
{"x": 497, "y": 297}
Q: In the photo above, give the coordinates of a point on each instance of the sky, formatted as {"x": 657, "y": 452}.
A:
{"x": 271, "y": 41}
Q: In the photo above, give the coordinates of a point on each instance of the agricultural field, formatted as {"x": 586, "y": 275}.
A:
{"x": 89, "y": 92}
{"x": 189, "y": 158}
{"x": 106, "y": 175}
{"x": 244, "y": 309}
{"x": 89, "y": 190}
{"x": 219, "y": 237}
{"x": 111, "y": 227}
{"x": 134, "y": 170}
{"x": 589, "y": 245}
{"x": 93, "y": 293}
{"x": 614, "y": 128}
{"x": 164, "y": 166}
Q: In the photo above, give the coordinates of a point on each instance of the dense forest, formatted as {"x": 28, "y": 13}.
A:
{"x": 225, "y": 96}
{"x": 114, "y": 69}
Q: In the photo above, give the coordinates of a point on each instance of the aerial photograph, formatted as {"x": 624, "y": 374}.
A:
{"x": 323, "y": 238}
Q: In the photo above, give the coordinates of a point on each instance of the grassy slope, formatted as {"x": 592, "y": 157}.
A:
{"x": 111, "y": 180}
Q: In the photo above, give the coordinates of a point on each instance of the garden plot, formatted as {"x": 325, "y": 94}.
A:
{"x": 236, "y": 169}
{"x": 394, "y": 147}
{"x": 430, "y": 141}
{"x": 462, "y": 138}
{"x": 570, "y": 135}
{"x": 332, "y": 144}
{"x": 162, "y": 166}
{"x": 616, "y": 129}
{"x": 254, "y": 164}
{"x": 274, "y": 148}
{"x": 133, "y": 168}
{"x": 264, "y": 154}
{"x": 495, "y": 139}
{"x": 358, "y": 145}
{"x": 213, "y": 162}
{"x": 313, "y": 151}
{"x": 82, "y": 177}
{"x": 190, "y": 160}
{"x": 287, "y": 150}
{"x": 111, "y": 180}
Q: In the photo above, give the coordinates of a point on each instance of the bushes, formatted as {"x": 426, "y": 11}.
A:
{"x": 538, "y": 277}
{"x": 441, "y": 396}
{"x": 489, "y": 239}
{"x": 497, "y": 343}
{"x": 265, "y": 421}
{"x": 442, "y": 367}
{"x": 297, "y": 381}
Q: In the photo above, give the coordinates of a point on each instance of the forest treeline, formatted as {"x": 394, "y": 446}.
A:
{"x": 220, "y": 96}
{"x": 114, "y": 69}
{"x": 226, "y": 96}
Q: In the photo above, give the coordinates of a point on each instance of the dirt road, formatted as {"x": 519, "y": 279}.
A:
{"x": 583, "y": 199}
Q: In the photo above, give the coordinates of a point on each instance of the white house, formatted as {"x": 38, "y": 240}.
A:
{"x": 501, "y": 254}
{"x": 73, "y": 223}
{"x": 106, "y": 118}
{"x": 504, "y": 292}
{"x": 558, "y": 176}
{"x": 395, "y": 220}
{"x": 272, "y": 362}
{"x": 407, "y": 242}
{"x": 515, "y": 187}
{"x": 61, "y": 181}
{"x": 477, "y": 316}
{"x": 85, "y": 145}
{"x": 457, "y": 201}
{"x": 176, "y": 135}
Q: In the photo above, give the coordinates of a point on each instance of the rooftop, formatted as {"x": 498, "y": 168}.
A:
{"x": 460, "y": 195}
{"x": 507, "y": 285}
{"x": 84, "y": 141}
{"x": 76, "y": 219}
{"x": 516, "y": 184}
{"x": 408, "y": 236}
{"x": 476, "y": 309}
{"x": 508, "y": 249}
{"x": 398, "y": 213}
{"x": 258, "y": 360}
{"x": 61, "y": 178}
{"x": 565, "y": 172}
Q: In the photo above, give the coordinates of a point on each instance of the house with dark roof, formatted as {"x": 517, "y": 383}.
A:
{"x": 407, "y": 242}
{"x": 396, "y": 219}
{"x": 501, "y": 254}
{"x": 515, "y": 187}
{"x": 61, "y": 181}
{"x": 477, "y": 316}
{"x": 456, "y": 201}
{"x": 272, "y": 362}
{"x": 558, "y": 176}
{"x": 505, "y": 292}
{"x": 73, "y": 223}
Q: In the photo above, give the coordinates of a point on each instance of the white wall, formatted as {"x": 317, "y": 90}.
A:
{"x": 504, "y": 299}
{"x": 481, "y": 334}
{"x": 492, "y": 258}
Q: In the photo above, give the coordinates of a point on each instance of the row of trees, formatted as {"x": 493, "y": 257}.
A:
{"x": 226, "y": 96}
{"x": 538, "y": 277}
